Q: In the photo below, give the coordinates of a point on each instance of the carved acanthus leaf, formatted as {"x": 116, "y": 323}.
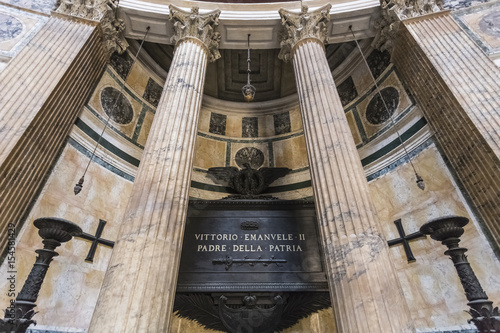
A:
{"x": 195, "y": 25}
{"x": 103, "y": 11}
{"x": 391, "y": 14}
{"x": 405, "y": 9}
{"x": 302, "y": 26}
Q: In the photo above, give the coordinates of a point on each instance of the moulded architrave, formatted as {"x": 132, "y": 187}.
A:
{"x": 237, "y": 20}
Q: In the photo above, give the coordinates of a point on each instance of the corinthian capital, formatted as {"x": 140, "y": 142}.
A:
{"x": 302, "y": 26}
{"x": 199, "y": 26}
{"x": 392, "y": 12}
{"x": 405, "y": 9}
{"x": 103, "y": 11}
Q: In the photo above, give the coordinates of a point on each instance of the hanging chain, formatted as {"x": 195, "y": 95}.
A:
{"x": 420, "y": 181}
{"x": 248, "y": 60}
{"x": 78, "y": 187}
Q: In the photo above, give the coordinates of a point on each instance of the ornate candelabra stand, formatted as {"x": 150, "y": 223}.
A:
{"x": 448, "y": 230}
{"x": 54, "y": 231}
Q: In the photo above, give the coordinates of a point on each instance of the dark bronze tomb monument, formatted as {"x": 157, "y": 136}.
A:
{"x": 244, "y": 259}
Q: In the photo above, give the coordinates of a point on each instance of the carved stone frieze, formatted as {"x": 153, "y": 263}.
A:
{"x": 392, "y": 12}
{"x": 302, "y": 26}
{"x": 195, "y": 25}
{"x": 103, "y": 11}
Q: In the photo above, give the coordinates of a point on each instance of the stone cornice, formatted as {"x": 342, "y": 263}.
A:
{"x": 303, "y": 26}
{"x": 193, "y": 25}
{"x": 238, "y": 20}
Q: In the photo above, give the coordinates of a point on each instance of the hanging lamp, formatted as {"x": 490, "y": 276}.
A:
{"x": 78, "y": 186}
{"x": 248, "y": 90}
{"x": 420, "y": 180}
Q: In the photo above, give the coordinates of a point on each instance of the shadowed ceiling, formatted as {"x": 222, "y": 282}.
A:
{"x": 271, "y": 77}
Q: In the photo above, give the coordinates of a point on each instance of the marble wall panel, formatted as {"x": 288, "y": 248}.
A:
{"x": 71, "y": 286}
{"x": 482, "y": 24}
{"x": 204, "y": 121}
{"x": 354, "y": 127}
{"x": 144, "y": 130}
{"x": 137, "y": 79}
{"x": 16, "y": 30}
{"x": 290, "y": 153}
{"x": 295, "y": 119}
{"x": 209, "y": 153}
{"x": 42, "y": 6}
{"x": 430, "y": 284}
{"x": 234, "y": 125}
{"x": 266, "y": 126}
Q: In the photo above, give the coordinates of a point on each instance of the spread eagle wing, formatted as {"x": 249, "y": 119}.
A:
{"x": 224, "y": 173}
{"x": 271, "y": 174}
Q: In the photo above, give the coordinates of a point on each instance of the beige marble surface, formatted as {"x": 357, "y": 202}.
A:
{"x": 430, "y": 284}
{"x": 69, "y": 293}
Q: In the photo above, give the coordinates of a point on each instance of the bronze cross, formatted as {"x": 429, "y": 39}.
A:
{"x": 96, "y": 240}
{"x": 404, "y": 239}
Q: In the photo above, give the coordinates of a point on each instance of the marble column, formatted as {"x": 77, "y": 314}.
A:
{"x": 139, "y": 286}
{"x": 43, "y": 89}
{"x": 364, "y": 287}
{"x": 458, "y": 88}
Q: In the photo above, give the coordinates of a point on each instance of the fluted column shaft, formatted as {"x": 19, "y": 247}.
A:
{"x": 365, "y": 289}
{"x": 457, "y": 86}
{"x": 43, "y": 90}
{"x": 139, "y": 287}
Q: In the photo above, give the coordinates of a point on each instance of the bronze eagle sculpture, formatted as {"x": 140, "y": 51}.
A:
{"x": 248, "y": 181}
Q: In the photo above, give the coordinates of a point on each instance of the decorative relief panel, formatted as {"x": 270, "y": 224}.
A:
{"x": 250, "y": 127}
{"x": 370, "y": 115}
{"x": 376, "y": 113}
{"x": 218, "y": 123}
{"x": 251, "y": 155}
{"x": 121, "y": 64}
{"x": 347, "y": 91}
{"x": 153, "y": 92}
{"x": 282, "y": 123}
{"x": 378, "y": 61}
{"x": 116, "y": 106}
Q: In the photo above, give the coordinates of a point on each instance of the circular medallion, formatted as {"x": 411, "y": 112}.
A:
{"x": 490, "y": 24}
{"x": 10, "y": 27}
{"x": 116, "y": 106}
{"x": 251, "y": 155}
{"x": 376, "y": 113}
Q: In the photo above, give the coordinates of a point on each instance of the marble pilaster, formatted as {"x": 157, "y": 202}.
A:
{"x": 365, "y": 291}
{"x": 457, "y": 86}
{"x": 139, "y": 287}
{"x": 43, "y": 90}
